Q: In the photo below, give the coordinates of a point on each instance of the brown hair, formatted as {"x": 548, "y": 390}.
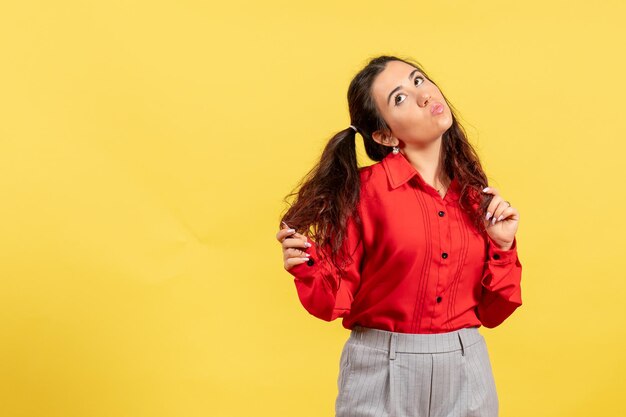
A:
{"x": 329, "y": 193}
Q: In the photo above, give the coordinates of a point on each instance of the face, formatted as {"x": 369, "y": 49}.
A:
{"x": 406, "y": 99}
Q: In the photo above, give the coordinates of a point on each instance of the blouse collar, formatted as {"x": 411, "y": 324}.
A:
{"x": 399, "y": 171}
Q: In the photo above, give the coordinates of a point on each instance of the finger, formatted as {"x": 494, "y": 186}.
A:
{"x": 295, "y": 243}
{"x": 510, "y": 213}
{"x": 291, "y": 262}
{"x": 294, "y": 249}
{"x": 499, "y": 210}
{"x": 493, "y": 205}
{"x": 491, "y": 190}
{"x": 295, "y": 253}
{"x": 284, "y": 233}
{"x": 298, "y": 236}
{"x": 286, "y": 229}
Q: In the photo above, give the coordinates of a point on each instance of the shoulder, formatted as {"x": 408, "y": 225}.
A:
{"x": 372, "y": 176}
{"x": 371, "y": 172}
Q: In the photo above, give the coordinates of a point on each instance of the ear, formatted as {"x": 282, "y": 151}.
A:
{"x": 385, "y": 139}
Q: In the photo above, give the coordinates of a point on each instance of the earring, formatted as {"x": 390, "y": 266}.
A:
{"x": 396, "y": 150}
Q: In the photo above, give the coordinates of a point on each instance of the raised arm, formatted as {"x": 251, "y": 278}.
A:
{"x": 501, "y": 282}
{"x": 321, "y": 290}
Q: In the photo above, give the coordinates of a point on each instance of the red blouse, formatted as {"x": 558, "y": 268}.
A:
{"x": 421, "y": 265}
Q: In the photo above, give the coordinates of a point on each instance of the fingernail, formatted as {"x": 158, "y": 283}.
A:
{"x": 291, "y": 230}
{"x": 500, "y": 218}
{"x": 488, "y": 215}
{"x": 307, "y": 244}
{"x": 486, "y": 189}
{"x": 307, "y": 254}
{"x": 493, "y": 221}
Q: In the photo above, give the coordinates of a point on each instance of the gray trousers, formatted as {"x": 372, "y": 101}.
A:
{"x": 390, "y": 374}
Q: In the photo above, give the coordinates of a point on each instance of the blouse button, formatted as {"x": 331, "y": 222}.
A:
{"x": 444, "y": 255}
{"x": 441, "y": 213}
{"x": 438, "y": 299}
{"x": 310, "y": 262}
{"x": 496, "y": 256}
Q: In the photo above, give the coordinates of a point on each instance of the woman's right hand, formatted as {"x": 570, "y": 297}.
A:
{"x": 293, "y": 245}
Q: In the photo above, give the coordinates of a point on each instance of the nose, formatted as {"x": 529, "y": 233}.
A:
{"x": 424, "y": 98}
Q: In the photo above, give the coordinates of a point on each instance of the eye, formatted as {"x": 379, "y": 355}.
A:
{"x": 396, "y": 102}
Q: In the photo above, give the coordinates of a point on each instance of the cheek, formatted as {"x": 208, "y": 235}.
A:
{"x": 418, "y": 121}
{"x": 414, "y": 115}
{"x": 446, "y": 120}
{"x": 411, "y": 120}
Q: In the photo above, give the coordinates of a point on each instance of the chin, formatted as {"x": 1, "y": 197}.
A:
{"x": 448, "y": 122}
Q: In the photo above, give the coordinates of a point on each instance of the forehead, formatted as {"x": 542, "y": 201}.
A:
{"x": 395, "y": 73}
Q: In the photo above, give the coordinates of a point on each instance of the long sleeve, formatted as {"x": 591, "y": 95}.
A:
{"x": 501, "y": 285}
{"x": 321, "y": 290}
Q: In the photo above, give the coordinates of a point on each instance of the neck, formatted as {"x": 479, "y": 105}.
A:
{"x": 427, "y": 161}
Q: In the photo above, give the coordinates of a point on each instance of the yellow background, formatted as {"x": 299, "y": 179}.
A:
{"x": 146, "y": 148}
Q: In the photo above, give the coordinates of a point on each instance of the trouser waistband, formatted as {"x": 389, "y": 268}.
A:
{"x": 394, "y": 342}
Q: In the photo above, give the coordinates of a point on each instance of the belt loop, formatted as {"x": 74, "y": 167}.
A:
{"x": 392, "y": 345}
{"x": 461, "y": 341}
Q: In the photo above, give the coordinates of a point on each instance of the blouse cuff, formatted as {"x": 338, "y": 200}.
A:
{"x": 499, "y": 256}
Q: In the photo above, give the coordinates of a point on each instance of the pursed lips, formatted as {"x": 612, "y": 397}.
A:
{"x": 436, "y": 107}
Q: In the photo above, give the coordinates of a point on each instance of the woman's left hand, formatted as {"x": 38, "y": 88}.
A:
{"x": 501, "y": 221}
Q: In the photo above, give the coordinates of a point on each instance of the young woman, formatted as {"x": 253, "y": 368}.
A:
{"x": 414, "y": 252}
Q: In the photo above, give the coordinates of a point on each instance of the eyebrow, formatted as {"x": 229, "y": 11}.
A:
{"x": 399, "y": 87}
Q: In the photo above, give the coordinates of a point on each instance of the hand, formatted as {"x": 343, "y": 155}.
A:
{"x": 502, "y": 220}
{"x": 291, "y": 241}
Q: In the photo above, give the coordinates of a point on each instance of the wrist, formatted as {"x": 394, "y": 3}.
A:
{"x": 504, "y": 245}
